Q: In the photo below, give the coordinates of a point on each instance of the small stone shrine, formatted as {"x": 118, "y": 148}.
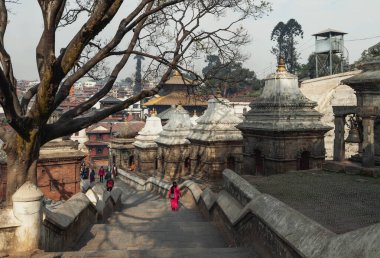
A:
{"x": 194, "y": 118}
{"x": 365, "y": 117}
{"x": 282, "y": 131}
{"x": 145, "y": 145}
{"x": 121, "y": 145}
{"x": 216, "y": 143}
{"x": 173, "y": 146}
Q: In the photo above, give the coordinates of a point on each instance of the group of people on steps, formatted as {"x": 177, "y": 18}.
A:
{"x": 108, "y": 176}
{"x": 105, "y": 175}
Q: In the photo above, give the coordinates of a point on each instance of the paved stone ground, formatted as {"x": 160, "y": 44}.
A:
{"x": 146, "y": 227}
{"x": 337, "y": 201}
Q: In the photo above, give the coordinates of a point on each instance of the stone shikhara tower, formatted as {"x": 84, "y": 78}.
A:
{"x": 216, "y": 143}
{"x": 282, "y": 131}
{"x": 173, "y": 146}
{"x": 146, "y": 147}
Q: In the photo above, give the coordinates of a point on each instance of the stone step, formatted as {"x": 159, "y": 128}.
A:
{"x": 138, "y": 216}
{"x": 159, "y": 253}
{"x": 188, "y": 227}
{"x": 105, "y": 240}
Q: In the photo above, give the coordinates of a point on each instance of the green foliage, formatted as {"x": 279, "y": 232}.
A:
{"x": 284, "y": 35}
{"x": 230, "y": 78}
{"x": 308, "y": 69}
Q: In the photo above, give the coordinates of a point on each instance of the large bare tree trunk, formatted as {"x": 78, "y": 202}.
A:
{"x": 22, "y": 157}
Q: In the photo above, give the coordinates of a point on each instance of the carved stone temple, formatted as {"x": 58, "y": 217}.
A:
{"x": 216, "y": 143}
{"x": 146, "y": 147}
{"x": 367, "y": 89}
{"x": 173, "y": 146}
{"x": 282, "y": 131}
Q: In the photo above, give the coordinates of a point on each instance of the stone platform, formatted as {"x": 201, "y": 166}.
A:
{"x": 351, "y": 168}
{"x": 338, "y": 201}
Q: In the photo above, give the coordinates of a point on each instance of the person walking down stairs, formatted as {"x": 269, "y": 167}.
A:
{"x": 174, "y": 194}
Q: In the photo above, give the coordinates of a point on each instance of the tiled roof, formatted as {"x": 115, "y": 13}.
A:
{"x": 110, "y": 99}
{"x": 177, "y": 79}
{"x": 177, "y": 98}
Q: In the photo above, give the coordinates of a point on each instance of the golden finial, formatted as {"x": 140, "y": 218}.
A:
{"x": 218, "y": 93}
{"x": 281, "y": 65}
{"x": 153, "y": 113}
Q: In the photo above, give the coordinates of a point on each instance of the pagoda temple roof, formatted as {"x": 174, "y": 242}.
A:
{"x": 176, "y": 98}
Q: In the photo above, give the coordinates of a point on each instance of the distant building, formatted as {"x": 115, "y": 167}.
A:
{"x": 89, "y": 84}
{"x": 177, "y": 91}
{"x": 110, "y": 101}
{"x": 99, "y": 138}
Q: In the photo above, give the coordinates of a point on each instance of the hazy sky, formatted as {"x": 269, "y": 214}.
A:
{"x": 360, "y": 19}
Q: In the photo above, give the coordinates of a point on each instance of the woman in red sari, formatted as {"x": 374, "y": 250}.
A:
{"x": 174, "y": 194}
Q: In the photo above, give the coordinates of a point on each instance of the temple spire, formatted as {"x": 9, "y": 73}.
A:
{"x": 281, "y": 65}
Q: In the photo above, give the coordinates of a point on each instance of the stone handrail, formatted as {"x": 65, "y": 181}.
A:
{"x": 248, "y": 217}
{"x": 191, "y": 192}
{"x": 65, "y": 224}
{"x": 297, "y": 234}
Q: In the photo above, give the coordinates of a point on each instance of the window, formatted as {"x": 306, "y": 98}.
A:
{"x": 98, "y": 137}
{"x": 54, "y": 185}
{"x": 76, "y": 133}
{"x": 135, "y": 105}
{"x": 187, "y": 162}
{"x": 99, "y": 150}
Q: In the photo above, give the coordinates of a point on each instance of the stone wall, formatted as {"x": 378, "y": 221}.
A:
{"x": 246, "y": 217}
{"x": 328, "y": 91}
{"x": 146, "y": 160}
{"x": 8, "y": 226}
{"x": 209, "y": 159}
{"x": 172, "y": 161}
{"x": 65, "y": 224}
{"x": 3, "y": 181}
{"x": 58, "y": 178}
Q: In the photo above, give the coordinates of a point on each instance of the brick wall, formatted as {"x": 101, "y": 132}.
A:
{"x": 58, "y": 179}
{"x": 3, "y": 181}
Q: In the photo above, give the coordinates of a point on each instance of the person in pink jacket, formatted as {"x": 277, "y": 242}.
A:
{"x": 101, "y": 173}
{"x": 174, "y": 194}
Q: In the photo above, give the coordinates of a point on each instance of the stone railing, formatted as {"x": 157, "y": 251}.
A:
{"x": 65, "y": 224}
{"x": 277, "y": 230}
{"x": 247, "y": 217}
{"x": 29, "y": 226}
{"x": 191, "y": 192}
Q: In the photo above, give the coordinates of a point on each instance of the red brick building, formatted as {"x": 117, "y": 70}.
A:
{"x": 98, "y": 144}
{"x": 58, "y": 170}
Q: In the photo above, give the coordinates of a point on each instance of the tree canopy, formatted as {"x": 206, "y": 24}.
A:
{"x": 229, "y": 77}
{"x": 285, "y": 35}
{"x": 167, "y": 33}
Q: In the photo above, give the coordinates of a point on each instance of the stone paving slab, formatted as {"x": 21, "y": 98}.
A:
{"x": 161, "y": 253}
{"x": 338, "y": 201}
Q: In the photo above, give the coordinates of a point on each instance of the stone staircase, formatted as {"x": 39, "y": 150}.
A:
{"x": 146, "y": 227}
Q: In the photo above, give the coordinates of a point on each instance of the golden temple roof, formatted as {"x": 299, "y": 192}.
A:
{"x": 176, "y": 98}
